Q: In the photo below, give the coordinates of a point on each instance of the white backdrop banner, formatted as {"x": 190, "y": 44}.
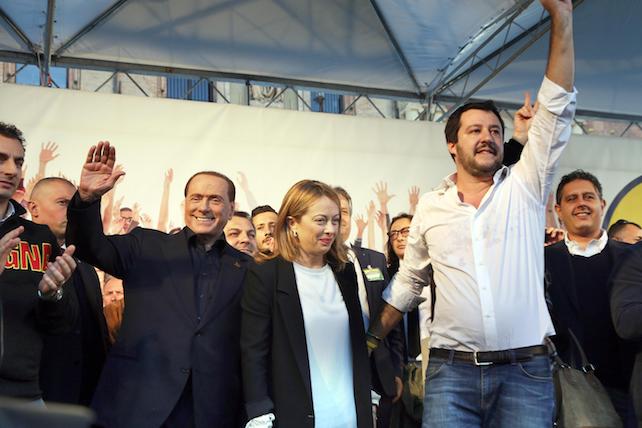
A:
{"x": 273, "y": 148}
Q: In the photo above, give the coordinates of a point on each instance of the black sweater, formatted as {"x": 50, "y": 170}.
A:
{"x": 24, "y": 317}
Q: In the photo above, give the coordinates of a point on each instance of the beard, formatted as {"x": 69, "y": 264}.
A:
{"x": 479, "y": 169}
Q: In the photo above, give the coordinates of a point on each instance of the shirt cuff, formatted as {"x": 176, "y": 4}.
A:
{"x": 555, "y": 98}
{"x": 401, "y": 297}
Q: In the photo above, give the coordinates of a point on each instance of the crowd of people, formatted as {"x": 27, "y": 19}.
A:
{"x": 274, "y": 318}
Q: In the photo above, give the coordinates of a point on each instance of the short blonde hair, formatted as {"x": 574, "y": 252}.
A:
{"x": 296, "y": 203}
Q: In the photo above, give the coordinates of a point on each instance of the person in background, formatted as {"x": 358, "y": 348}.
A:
{"x": 303, "y": 351}
{"x": 264, "y": 218}
{"x": 372, "y": 279}
{"x": 625, "y": 231}
{"x": 71, "y": 363}
{"x": 240, "y": 233}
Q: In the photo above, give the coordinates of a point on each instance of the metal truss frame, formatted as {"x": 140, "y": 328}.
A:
{"x": 454, "y": 84}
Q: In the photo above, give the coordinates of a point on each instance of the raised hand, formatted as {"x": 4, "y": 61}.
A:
{"x": 7, "y": 243}
{"x": 381, "y": 190}
{"x": 98, "y": 174}
{"x": 371, "y": 210}
{"x": 169, "y": 177}
{"x": 381, "y": 221}
{"x": 557, "y": 6}
{"x": 242, "y": 179}
{"x": 57, "y": 273}
{"x": 48, "y": 152}
{"x": 523, "y": 119}
{"x": 552, "y": 235}
{"x": 361, "y": 223}
{"x": 413, "y": 198}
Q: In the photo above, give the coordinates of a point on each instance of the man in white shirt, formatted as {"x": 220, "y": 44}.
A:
{"x": 481, "y": 230}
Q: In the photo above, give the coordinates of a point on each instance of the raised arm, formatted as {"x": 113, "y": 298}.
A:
{"x": 98, "y": 174}
{"x": 163, "y": 215}
{"x": 85, "y": 229}
{"x": 561, "y": 55}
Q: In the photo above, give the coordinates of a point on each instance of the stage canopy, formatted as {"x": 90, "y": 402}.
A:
{"x": 428, "y": 50}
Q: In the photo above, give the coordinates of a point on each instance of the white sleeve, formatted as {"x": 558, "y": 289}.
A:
{"x": 405, "y": 288}
{"x": 547, "y": 137}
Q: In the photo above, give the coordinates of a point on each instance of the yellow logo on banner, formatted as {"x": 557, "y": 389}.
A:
{"x": 627, "y": 204}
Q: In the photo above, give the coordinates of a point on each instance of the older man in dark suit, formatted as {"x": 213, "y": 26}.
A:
{"x": 176, "y": 361}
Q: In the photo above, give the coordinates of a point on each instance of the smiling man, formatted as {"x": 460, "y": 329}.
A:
{"x": 480, "y": 231}
{"x": 176, "y": 361}
{"x": 577, "y": 273}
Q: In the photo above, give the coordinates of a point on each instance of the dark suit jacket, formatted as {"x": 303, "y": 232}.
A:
{"x": 161, "y": 342}
{"x": 626, "y": 310}
{"x": 387, "y": 359}
{"x": 276, "y": 371}
{"x": 71, "y": 364}
{"x": 564, "y": 302}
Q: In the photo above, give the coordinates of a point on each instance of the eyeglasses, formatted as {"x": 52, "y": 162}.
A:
{"x": 394, "y": 234}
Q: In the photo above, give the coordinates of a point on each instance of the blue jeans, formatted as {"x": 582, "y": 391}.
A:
{"x": 503, "y": 395}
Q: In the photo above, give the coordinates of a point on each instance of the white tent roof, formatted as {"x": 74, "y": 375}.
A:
{"x": 429, "y": 49}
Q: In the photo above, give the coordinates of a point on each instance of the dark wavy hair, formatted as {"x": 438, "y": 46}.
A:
{"x": 393, "y": 260}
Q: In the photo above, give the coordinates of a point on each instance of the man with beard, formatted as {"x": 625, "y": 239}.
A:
{"x": 481, "y": 230}
{"x": 264, "y": 220}
{"x": 577, "y": 274}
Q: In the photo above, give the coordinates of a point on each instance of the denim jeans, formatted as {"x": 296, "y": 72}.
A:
{"x": 502, "y": 395}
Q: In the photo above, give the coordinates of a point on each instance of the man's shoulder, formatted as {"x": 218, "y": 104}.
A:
{"x": 375, "y": 257}
{"x": 555, "y": 249}
{"x": 34, "y": 231}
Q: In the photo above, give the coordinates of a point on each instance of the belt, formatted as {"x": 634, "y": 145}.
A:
{"x": 487, "y": 358}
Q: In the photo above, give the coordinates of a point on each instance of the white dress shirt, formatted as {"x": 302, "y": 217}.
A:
{"x": 489, "y": 261}
{"x": 594, "y": 247}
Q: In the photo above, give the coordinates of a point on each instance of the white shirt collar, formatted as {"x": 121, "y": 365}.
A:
{"x": 592, "y": 248}
{"x": 451, "y": 179}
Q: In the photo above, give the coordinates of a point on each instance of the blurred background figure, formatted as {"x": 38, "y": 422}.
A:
{"x": 240, "y": 233}
{"x": 625, "y": 231}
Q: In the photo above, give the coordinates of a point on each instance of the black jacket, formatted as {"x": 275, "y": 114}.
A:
{"x": 626, "y": 310}
{"x": 562, "y": 292}
{"x": 276, "y": 370}
{"x": 71, "y": 363}
{"x": 161, "y": 341}
{"x": 388, "y": 358}
{"x": 25, "y": 317}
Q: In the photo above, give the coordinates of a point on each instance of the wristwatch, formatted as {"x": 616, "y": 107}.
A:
{"x": 53, "y": 297}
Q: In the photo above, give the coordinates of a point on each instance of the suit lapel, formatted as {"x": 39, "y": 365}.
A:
{"x": 371, "y": 291}
{"x": 228, "y": 284}
{"x": 179, "y": 264}
{"x": 289, "y": 305}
